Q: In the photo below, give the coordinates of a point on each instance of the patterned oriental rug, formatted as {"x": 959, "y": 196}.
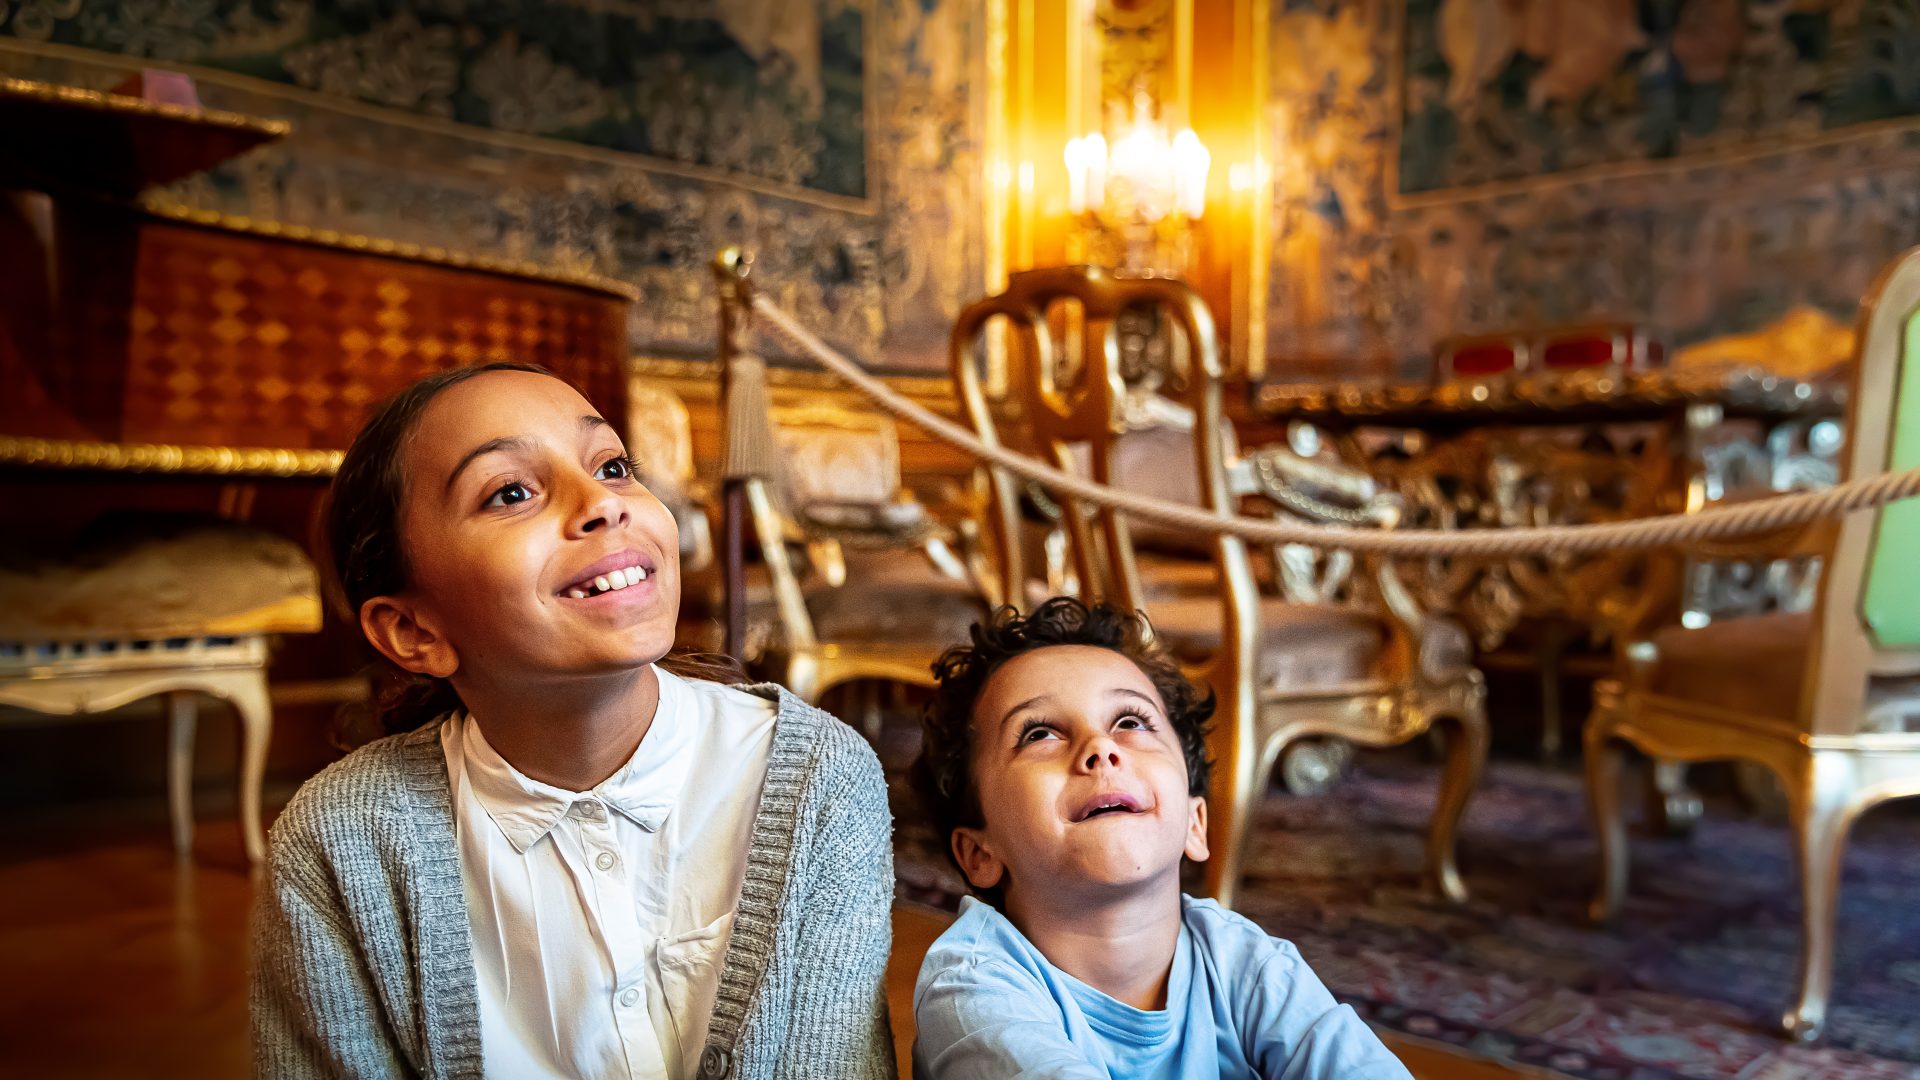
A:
{"x": 1684, "y": 987}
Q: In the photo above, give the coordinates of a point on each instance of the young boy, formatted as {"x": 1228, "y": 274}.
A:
{"x": 1065, "y": 762}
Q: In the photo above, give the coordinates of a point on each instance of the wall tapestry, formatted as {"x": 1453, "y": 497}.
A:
{"x": 836, "y": 139}
{"x": 1508, "y": 89}
{"x": 1366, "y": 279}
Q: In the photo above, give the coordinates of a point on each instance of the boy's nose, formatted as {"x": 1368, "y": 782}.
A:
{"x": 1112, "y": 758}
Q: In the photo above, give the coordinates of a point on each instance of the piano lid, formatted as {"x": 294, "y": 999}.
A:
{"x": 63, "y": 138}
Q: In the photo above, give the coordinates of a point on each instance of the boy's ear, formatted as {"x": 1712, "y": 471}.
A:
{"x": 1197, "y": 828}
{"x": 977, "y": 861}
{"x": 406, "y": 635}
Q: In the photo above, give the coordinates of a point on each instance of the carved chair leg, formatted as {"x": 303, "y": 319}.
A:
{"x": 1237, "y": 788}
{"x": 181, "y": 725}
{"x": 1818, "y": 806}
{"x": 249, "y": 697}
{"x": 1547, "y": 655}
{"x": 1605, "y": 757}
{"x": 1467, "y": 738}
{"x": 1672, "y": 807}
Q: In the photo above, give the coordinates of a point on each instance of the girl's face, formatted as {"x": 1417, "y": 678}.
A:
{"x": 531, "y": 548}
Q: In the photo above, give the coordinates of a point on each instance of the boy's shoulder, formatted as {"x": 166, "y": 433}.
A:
{"x": 980, "y": 937}
{"x": 1225, "y": 934}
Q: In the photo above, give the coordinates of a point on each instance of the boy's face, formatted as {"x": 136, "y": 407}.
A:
{"x": 1081, "y": 778}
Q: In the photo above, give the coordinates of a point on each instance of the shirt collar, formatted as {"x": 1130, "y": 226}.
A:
{"x": 643, "y": 790}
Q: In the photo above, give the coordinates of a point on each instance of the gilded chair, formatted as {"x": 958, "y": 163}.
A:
{"x": 157, "y": 608}
{"x": 1829, "y": 699}
{"x": 660, "y": 434}
{"x": 1280, "y": 671}
{"x": 865, "y": 582}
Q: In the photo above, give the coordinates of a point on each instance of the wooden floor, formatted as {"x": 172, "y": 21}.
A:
{"x": 116, "y": 960}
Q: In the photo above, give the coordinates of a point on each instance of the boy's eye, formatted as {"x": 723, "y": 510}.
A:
{"x": 1035, "y": 731}
{"x": 1132, "y": 721}
{"x": 508, "y": 494}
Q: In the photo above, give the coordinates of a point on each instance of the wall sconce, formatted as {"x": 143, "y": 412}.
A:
{"x": 1134, "y": 204}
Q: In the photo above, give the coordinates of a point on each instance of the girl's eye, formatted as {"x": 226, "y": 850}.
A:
{"x": 508, "y": 495}
{"x": 1133, "y": 722}
{"x": 619, "y": 468}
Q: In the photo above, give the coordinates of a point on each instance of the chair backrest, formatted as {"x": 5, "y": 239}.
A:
{"x": 659, "y": 431}
{"x": 831, "y": 454}
{"x": 1080, "y": 427}
{"x": 1868, "y": 613}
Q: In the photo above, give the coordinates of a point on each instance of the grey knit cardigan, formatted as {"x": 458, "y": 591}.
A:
{"x": 363, "y": 955}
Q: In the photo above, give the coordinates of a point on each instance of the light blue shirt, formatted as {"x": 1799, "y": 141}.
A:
{"x": 1239, "y": 1004}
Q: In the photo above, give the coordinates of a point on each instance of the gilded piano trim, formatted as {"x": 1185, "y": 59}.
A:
{"x": 374, "y": 245}
{"x": 133, "y": 106}
{"x": 17, "y": 451}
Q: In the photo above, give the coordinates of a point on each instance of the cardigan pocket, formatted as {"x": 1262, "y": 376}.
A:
{"x": 689, "y": 969}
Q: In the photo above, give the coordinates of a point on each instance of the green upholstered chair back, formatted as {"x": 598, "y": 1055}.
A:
{"x": 1890, "y": 597}
{"x": 1867, "y": 619}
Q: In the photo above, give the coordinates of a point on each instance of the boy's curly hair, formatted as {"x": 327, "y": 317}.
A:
{"x": 944, "y": 771}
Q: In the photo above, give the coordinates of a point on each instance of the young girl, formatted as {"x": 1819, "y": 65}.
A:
{"x": 570, "y": 861}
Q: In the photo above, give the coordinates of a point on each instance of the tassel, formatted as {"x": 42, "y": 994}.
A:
{"x": 750, "y": 450}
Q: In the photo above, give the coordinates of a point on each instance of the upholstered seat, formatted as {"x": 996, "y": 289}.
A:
{"x": 1757, "y": 665}
{"x": 147, "y": 605}
{"x": 1302, "y": 648}
{"x": 894, "y": 596}
{"x": 161, "y": 579}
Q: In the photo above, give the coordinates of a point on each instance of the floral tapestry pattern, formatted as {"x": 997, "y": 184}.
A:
{"x": 880, "y": 275}
{"x": 1725, "y": 232}
{"x": 766, "y": 89}
{"x": 1508, "y": 89}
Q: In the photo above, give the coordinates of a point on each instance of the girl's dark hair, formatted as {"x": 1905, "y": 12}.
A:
{"x": 368, "y": 559}
{"x": 943, "y": 773}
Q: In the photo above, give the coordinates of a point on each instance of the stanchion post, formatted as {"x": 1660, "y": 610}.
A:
{"x": 748, "y": 453}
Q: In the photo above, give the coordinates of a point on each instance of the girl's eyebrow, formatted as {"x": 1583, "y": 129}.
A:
{"x": 588, "y": 422}
{"x": 507, "y": 442}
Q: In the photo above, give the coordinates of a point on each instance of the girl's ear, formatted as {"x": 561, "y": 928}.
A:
{"x": 977, "y": 861}
{"x": 1196, "y": 848}
{"x": 404, "y": 635}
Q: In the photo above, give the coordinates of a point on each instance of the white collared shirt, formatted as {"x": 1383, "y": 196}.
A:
{"x": 601, "y": 918}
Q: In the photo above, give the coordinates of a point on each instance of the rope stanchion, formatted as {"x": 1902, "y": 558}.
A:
{"x": 1671, "y": 530}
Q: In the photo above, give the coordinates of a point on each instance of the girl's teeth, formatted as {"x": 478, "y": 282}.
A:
{"x": 577, "y": 594}
{"x": 635, "y": 575}
{"x": 601, "y": 583}
{"x": 618, "y": 578}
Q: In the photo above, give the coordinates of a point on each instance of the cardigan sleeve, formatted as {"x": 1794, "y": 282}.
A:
{"x": 315, "y": 1011}
{"x": 837, "y": 1023}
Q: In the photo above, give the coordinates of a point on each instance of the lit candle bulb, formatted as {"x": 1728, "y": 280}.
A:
{"x": 1076, "y": 176}
{"x": 1096, "y": 155}
{"x": 1191, "y": 161}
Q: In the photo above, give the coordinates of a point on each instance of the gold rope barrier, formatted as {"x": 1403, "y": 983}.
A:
{"x": 1672, "y": 530}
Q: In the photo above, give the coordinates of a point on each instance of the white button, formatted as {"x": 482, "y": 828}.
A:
{"x": 604, "y": 860}
{"x": 629, "y": 996}
{"x": 588, "y": 809}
